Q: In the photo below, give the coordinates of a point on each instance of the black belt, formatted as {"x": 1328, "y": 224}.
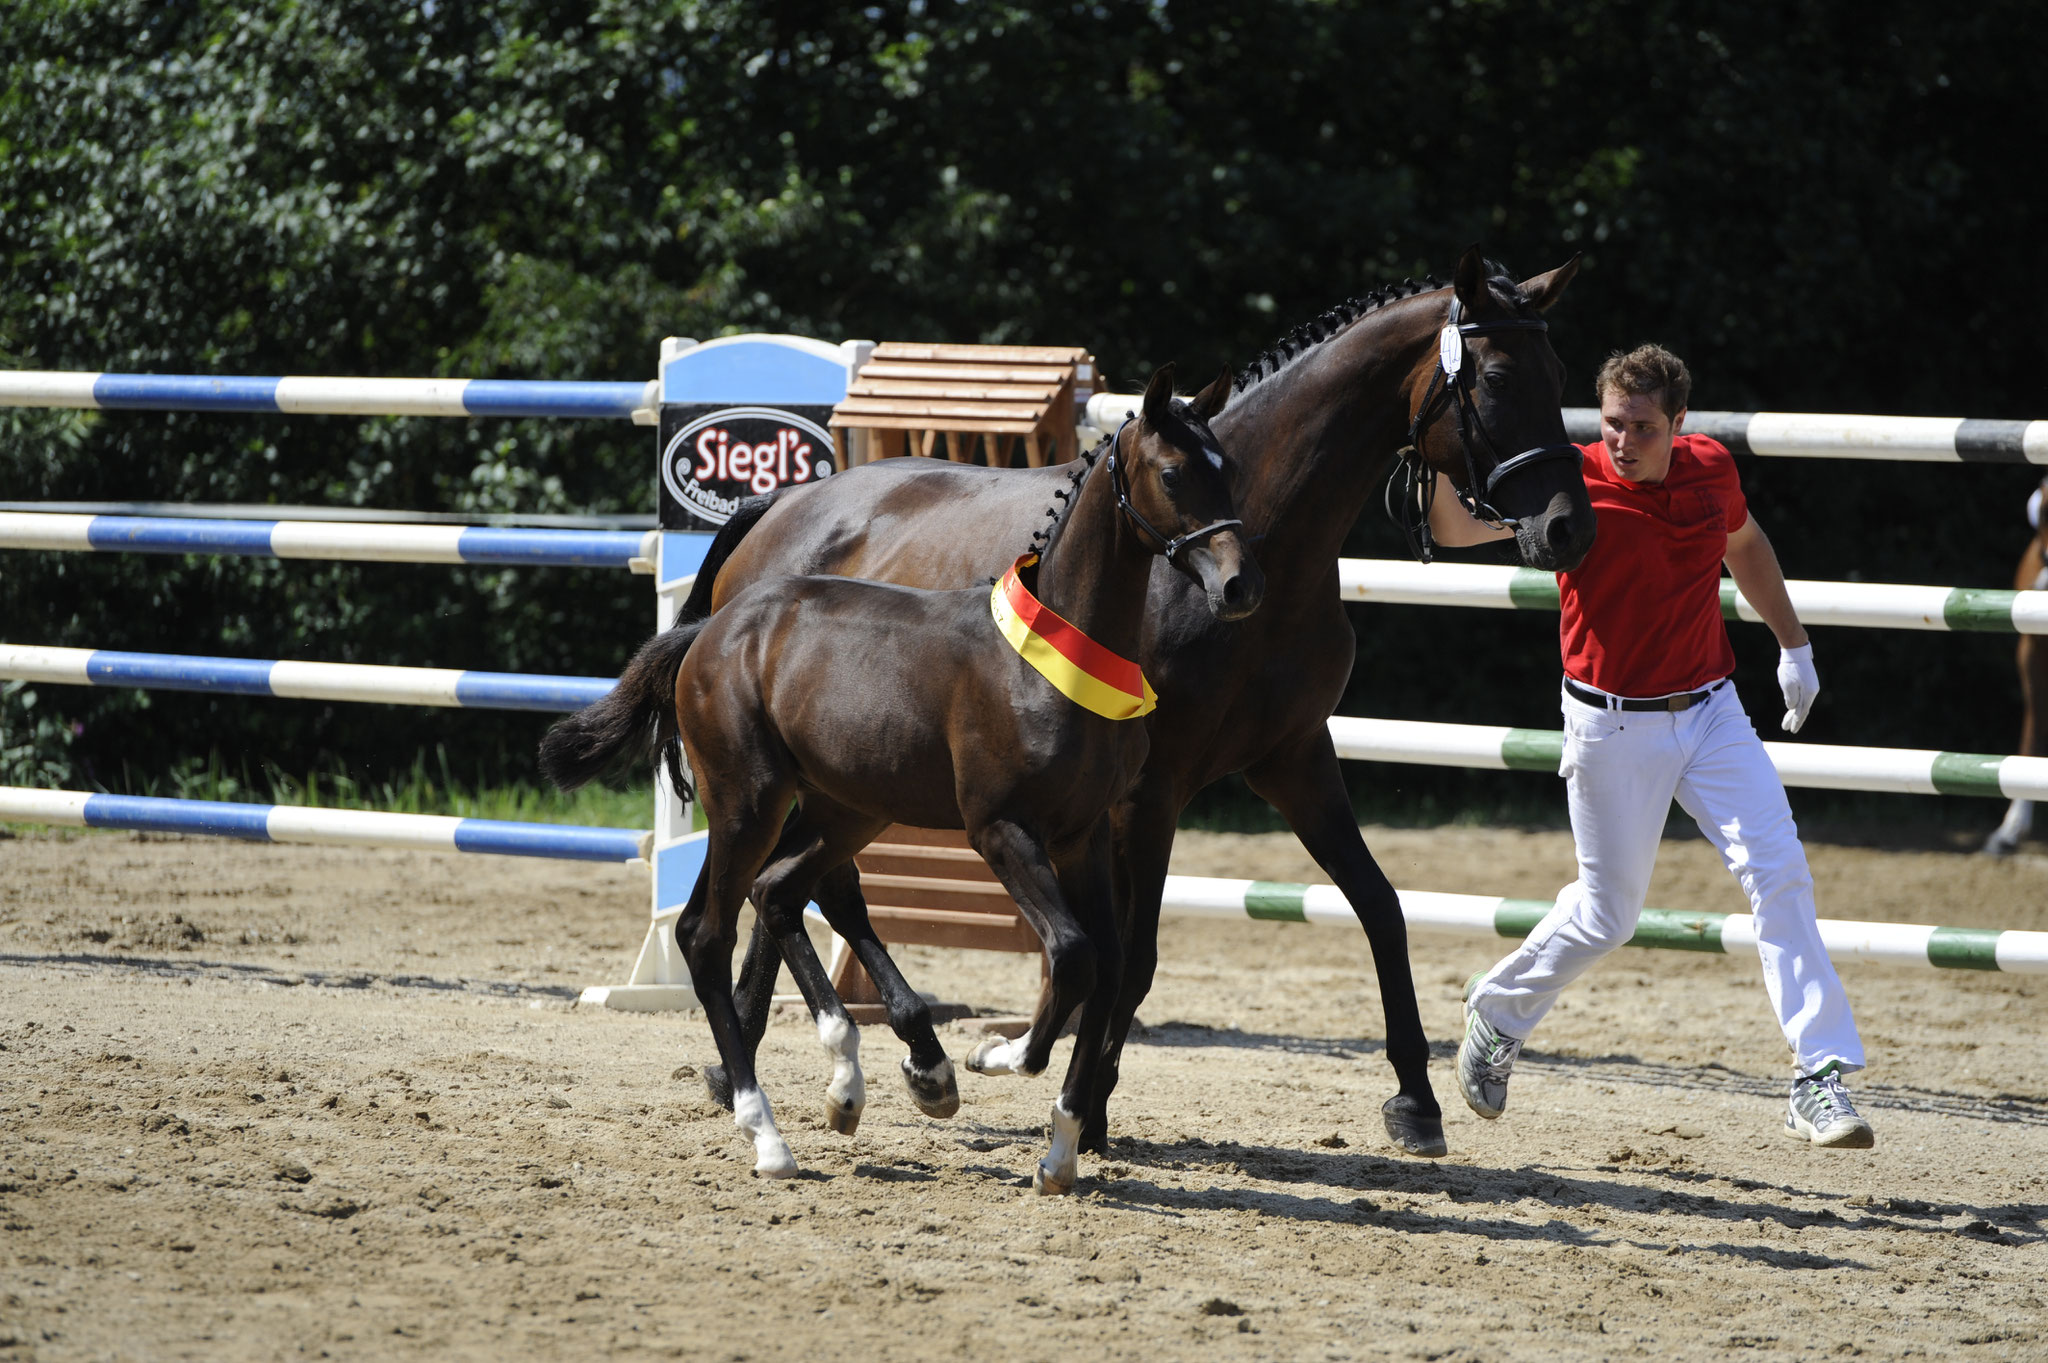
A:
{"x": 1684, "y": 701}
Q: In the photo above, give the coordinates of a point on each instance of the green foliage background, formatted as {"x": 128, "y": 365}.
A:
{"x": 1819, "y": 205}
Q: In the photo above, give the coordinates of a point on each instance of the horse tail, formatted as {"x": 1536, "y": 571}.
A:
{"x": 637, "y": 717}
{"x": 745, "y": 518}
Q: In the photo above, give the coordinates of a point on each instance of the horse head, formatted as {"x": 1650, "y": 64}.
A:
{"x": 1485, "y": 413}
{"x": 1175, "y": 487}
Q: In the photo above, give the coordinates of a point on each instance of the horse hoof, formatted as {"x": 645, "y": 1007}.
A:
{"x": 1048, "y": 1184}
{"x": 993, "y": 1057}
{"x": 842, "y": 1117}
{"x": 936, "y": 1092}
{"x": 775, "y": 1166}
{"x": 718, "y": 1085}
{"x": 1416, "y": 1131}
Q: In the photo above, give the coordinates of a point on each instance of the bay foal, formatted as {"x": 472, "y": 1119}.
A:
{"x": 1012, "y": 715}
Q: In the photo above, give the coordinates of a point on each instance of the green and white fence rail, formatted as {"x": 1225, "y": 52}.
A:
{"x": 1870, "y": 605}
{"x": 1897, "y": 771}
{"x": 1670, "y": 929}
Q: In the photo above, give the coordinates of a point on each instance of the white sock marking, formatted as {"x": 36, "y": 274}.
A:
{"x": 1063, "y": 1162}
{"x": 848, "y": 1088}
{"x": 771, "y": 1153}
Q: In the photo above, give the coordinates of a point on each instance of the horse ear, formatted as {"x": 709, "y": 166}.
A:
{"x": 1210, "y": 400}
{"x": 1470, "y": 281}
{"x": 1158, "y": 396}
{"x": 1544, "y": 289}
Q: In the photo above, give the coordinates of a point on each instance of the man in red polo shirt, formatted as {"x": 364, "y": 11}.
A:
{"x": 1649, "y": 715}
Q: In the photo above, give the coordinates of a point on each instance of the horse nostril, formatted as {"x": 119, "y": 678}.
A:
{"x": 1559, "y": 531}
{"x": 1233, "y": 592}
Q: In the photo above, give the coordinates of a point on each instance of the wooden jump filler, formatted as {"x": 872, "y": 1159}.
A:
{"x": 983, "y": 399}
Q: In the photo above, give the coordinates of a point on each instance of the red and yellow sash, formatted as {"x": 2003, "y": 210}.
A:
{"x": 1083, "y": 671}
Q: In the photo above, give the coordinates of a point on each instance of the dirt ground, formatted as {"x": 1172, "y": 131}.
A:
{"x": 263, "y": 1102}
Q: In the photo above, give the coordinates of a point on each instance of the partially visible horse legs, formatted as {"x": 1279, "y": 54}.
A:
{"x": 927, "y": 1072}
{"x": 1304, "y": 783}
{"x": 2032, "y": 655}
{"x": 706, "y": 933}
{"x": 1080, "y": 941}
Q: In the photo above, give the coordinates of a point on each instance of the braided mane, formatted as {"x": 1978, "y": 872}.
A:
{"x": 1338, "y": 319}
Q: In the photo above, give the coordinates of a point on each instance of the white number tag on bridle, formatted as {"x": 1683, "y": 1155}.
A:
{"x": 1450, "y": 351}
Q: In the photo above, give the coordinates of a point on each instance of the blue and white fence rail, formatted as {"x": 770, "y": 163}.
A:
{"x": 332, "y": 540}
{"x": 1822, "y": 435}
{"x": 1887, "y": 943}
{"x": 636, "y": 402}
{"x": 289, "y": 680}
{"x": 327, "y": 827}
{"x": 1873, "y": 605}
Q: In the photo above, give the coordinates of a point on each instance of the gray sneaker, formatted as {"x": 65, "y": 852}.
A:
{"x": 1485, "y": 1059}
{"x": 1820, "y": 1112}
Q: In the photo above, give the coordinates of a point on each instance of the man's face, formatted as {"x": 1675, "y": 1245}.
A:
{"x": 1638, "y": 435}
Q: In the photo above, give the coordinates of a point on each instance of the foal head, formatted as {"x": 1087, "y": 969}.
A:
{"x": 1175, "y": 484}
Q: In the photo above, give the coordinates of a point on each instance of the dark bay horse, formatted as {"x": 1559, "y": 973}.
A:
{"x": 1311, "y": 428}
{"x": 2032, "y": 657}
{"x": 869, "y": 704}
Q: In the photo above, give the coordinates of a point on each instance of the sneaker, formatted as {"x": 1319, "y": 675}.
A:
{"x": 1820, "y": 1112}
{"x": 1485, "y": 1059}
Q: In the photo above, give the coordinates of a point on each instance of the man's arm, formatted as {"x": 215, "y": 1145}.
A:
{"x": 1757, "y": 575}
{"x": 1453, "y": 527}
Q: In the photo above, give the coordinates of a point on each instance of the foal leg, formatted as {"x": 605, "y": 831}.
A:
{"x": 1020, "y": 862}
{"x": 1304, "y": 784}
{"x": 806, "y": 850}
{"x": 927, "y": 1072}
{"x": 754, "y": 997}
{"x": 1089, "y": 902}
{"x": 706, "y": 933}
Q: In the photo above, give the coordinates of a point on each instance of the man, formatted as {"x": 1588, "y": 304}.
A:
{"x": 1649, "y": 714}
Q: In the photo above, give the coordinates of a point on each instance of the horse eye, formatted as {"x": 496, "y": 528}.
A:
{"x": 1496, "y": 380}
{"x": 1169, "y": 477}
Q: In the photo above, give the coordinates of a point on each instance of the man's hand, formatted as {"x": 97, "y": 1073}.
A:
{"x": 1799, "y": 682}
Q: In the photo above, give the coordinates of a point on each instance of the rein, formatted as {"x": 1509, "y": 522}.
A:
{"x": 1412, "y": 489}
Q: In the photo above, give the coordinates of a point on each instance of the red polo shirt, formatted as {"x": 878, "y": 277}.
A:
{"x": 1642, "y": 614}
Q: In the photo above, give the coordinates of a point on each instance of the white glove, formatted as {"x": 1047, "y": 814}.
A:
{"x": 1799, "y": 682}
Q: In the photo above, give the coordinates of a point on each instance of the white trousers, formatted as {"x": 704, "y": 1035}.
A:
{"x": 1621, "y": 770}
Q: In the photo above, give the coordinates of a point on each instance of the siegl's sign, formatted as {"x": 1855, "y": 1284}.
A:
{"x": 713, "y": 458}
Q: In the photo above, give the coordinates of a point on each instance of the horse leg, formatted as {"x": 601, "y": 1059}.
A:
{"x": 1087, "y": 885}
{"x": 2033, "y": 666}
{"x": 706, "y": 933}
{"x": 1304, "y": 784}
{"x": 1143, "y": 846}
{"x": 754, "y": 997}
{"x": 927, "y": 1072}
{"x": 1020, "y": 862}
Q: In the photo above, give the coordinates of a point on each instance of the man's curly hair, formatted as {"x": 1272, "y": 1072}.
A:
{"x": 1646, "y": 369}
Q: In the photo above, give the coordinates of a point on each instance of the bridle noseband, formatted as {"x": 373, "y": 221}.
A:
{"x": 1168, "y": 546}
{"x": 1448, "y": 385}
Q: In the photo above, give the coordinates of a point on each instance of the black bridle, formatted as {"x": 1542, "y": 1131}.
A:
{"x": 1412, "y": 488}
{"x": 1169, "y": 546}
